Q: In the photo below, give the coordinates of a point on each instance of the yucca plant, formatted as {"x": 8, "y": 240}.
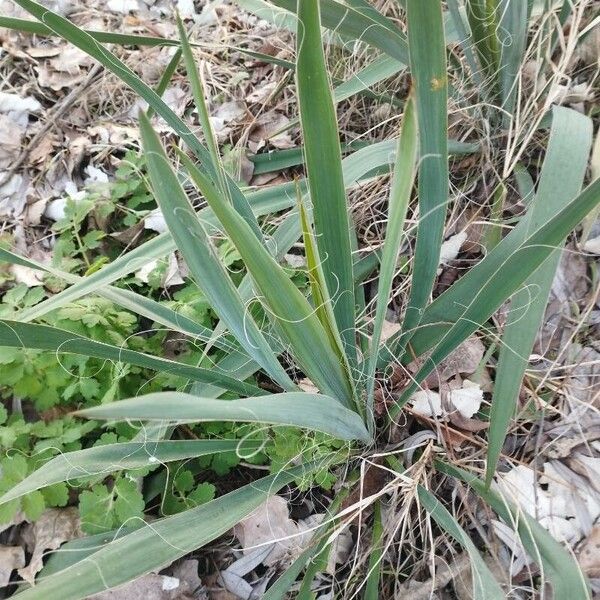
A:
{"x": 320, "y": 334}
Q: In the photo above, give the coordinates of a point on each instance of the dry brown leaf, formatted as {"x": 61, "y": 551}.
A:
{"x": 463, "y": 360}
{"x": 263, "y": 178}
{"x": 181, "y": 585}
{"x": 43, "y": 51}
{"x": 264, "y": 130}
{"x": 225, "y": 116}
{"x": 11, "y": 135}
{"x": 570, "y": 283}
{"x": 470, "y": 222}
{"x": 262, "y": 93}
{"x": 589, "y": 553}
{"x": 65, "y": 70}
{"x": 592, "y": 246}
{"x": 30, "y": 277}
{"x": 451, "y": 247}
{"x": 565, "y": 502}
{"x": 18, "y": 108}
{"x": 44, "y": 151}
{"x": 13, "y": 196}
{"x": 306, "y": 385}
{"x": 389, "y": 329}
{"x": 49, "y": 532}
{"x": 11, "y": 558}
{"x": 114, "y": 134}
{"x": 216, "y": 591}
{"x": 583, "y": 381}
{"x": 467, "y": 399}
{"x": 427, "y": 403}
{"x": 271, "y": 523}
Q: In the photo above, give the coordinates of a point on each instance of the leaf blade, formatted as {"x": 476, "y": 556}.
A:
{"x": 571, "y": 136}
{"x": 428, "y": 68}
{"x": 200, "y": 255}
{"x": 299, "y": 409}
{"x": 292, "y": 314}
{"x": 324, "y": 171}
{"x": 159, "y": 545}
{"x": 15, "y": 334}
{"x": 104, "y": 460}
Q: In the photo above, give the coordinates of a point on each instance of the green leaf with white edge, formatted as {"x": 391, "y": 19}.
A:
{"x": 357, "y": 25}
{"x": 316, "y": 279}
{"x": 310, "y": 411}
{"x": 82, "y": 40}
{"x": 355, "y": 167}
{"x": 380, "y": 69}
{"x": 324, "y": 168}
{"x": 199, "y": 94}
{"x": 559, "y": 566}
{"x": 291, "y": 312}
{"x": 512, "y": 38}
{"x": 483, "y": 21}
{"x": 104, "y": 37}
{"x": 561, "y": 179}
{"x": 402, "y": 184}
{"x": 428, "y": 68}
{"x": 358, "y": 165}
{"x": 79, "y": 549}
{"x": 485, "y": 586}
{"x": 15, "y": 334}
{"x": 155, "y": 546}
{"x": 202, "y": 259}
{"x": 137, "y": 303}
{"x": 508, "y": 276}
{"x": 105, "y": 460}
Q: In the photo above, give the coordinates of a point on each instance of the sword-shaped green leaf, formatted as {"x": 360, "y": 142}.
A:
{"x": 324, "y": 170}
{"x": 310, "y": 411}
{"x": 15, "y": 334}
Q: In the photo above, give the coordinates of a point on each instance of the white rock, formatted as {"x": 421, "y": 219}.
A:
{"x": 95, "y": 175}
{"x": 592, "y": 246}
{"x": 451, "y": 247}
{"x": 155, "y": 221}
{"x": 468, "y": 399}
{"x": 427, "y": 403}
{"x": 186, "y": 8}
{"x": 122, "y": 6}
